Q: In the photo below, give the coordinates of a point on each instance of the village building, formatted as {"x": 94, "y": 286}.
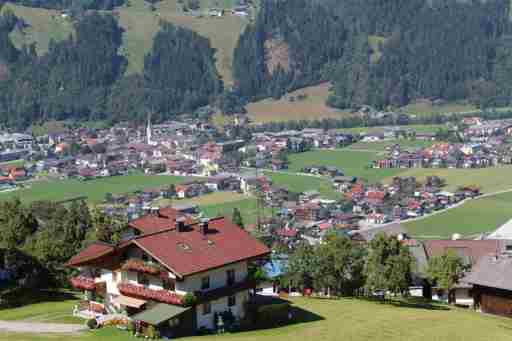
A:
{"x": 170, "y": 272}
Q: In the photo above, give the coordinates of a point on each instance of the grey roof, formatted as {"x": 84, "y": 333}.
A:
{"x": 494, "y": 272}
{"x": 389, "y": 230}
{"x": 503, "y": 232}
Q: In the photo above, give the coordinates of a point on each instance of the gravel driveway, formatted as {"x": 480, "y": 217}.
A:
{"x": 34, "y": 327}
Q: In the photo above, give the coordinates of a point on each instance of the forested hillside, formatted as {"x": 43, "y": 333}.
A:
{"x": 446, "y": 49}
{"x": 83, "y": 77}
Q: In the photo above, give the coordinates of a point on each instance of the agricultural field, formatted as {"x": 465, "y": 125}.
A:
{"x": 354, "y": 163}
{"x": 303, "y": 183}
{"x": 311, "y": 108}
{"x": 382, "y": 145}
{"x": 140, "y": 24}
{"x": 419, "y": 128}
{"x": 248, "y": 208}
{"x": 471, "y": 218}
{"x": 94, "y": 190}
{"x": 427, "y": 108}
{"x": 324, "y": 320}
{"x": 489, "y": 180}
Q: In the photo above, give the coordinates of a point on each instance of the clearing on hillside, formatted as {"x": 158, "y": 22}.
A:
{"x": 292, "y": 108}
{"x": 426, "y": 108}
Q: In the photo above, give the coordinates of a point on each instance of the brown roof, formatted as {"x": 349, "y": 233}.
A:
{"x": 492, "y": 272}
{"x": 190, "y": 251}
{"x": 472, "y": 250}
{"x": 91, "y": 252}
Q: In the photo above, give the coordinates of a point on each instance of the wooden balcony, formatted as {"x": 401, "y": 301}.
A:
{"x": 142, "y": 292}
{"x": 83, "y": 283}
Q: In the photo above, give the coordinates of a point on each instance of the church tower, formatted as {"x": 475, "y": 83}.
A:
{"x": 149, "y": 131}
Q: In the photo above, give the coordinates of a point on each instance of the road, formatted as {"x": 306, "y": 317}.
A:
{"x": 40, "y": 328}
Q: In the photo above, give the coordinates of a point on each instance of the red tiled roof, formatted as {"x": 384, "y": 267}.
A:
{"x": 163, "y": 221}
{"x": 474, "y": 249}
{"x": 91, "y": 252}
{"x": 190, "y": 251}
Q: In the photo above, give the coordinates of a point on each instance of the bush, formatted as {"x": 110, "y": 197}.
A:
{"x": 274, "y": 314}
{"x": 189, "y": 300}
{"x": 92, "y": 324}
{"x": 151, "y": 332}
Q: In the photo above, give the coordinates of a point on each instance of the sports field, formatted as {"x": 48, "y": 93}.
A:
{"x": 473, "y": 217}
{"x": 355, "y": 163}
{"x": 343, "y": 319}
{"x": 94, "y": 190}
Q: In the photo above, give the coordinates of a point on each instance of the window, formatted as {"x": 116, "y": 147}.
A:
{"x": 145, "y": 257}
{"x": 231, "y": 301}
{"x": 230, "y": 277}
{"x": 205, "y": 283}
{"x": 115, "y": 277}
{"x": 169, "y": 284}
{"x": 207, "y": 308}
{"x": 142, "y": 279}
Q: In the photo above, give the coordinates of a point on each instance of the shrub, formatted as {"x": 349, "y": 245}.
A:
{"x": 92, "y": 324}
{"x": 189, "y": 300}
{"x": 151, "y": 332}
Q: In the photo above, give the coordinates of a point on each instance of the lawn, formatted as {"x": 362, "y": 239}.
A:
{"x": 354, "y": 163}
{"x": 248, "y": 208}
{"x": 381, "y": 146}
{"x": 303, "y": 183}
{"x": 345, "y": 319}
{"x": 94, "y": 190}
{"x": 311, "y": 108}
{"x": 473, "y": 217}
{"x": 489, "y": 179}
{"x": 48, "y": 307}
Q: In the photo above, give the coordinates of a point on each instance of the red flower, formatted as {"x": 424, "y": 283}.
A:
{"x": 163, "y": 296}
{"x": 83, "y": 283}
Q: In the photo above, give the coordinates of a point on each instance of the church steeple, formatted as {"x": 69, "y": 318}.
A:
{"x": 149, "y": 131}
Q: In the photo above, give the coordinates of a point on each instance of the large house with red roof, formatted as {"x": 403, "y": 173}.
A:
{"x": 170, "y": 271}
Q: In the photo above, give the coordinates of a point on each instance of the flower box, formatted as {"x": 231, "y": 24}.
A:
{"x": 141, "y": 292}
{"x": 141, "y": 266}
{"x": 83, "y": 283}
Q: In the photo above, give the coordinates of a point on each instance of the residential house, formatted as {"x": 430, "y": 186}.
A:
{"x": 177, "y": 275}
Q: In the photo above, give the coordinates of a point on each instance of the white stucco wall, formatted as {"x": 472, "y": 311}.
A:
{"x": 218, "y": 278}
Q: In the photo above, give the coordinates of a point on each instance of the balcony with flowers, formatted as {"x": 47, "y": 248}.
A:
{"x": 83, "y": 283}
{"x": 138, "y": 265}
{"x": 142, "y": 292}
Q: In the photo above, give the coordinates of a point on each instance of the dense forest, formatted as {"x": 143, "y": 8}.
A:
{"x": 83, "y": 77}
{"x": 71, "y": 5}
{"x": 446, "y": 49}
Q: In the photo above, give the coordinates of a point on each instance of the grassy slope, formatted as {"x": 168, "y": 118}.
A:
{"x": 347, "y": 319}
{"x": 95, "y": 190}
{"x": 313, "y": 107}
{"x": 350, "y": 162}
{"x": 44, "y": 25}
{"x": 420, "y": 108}
{"x": 140, "y": 24}
{"x": 473, "y": 217}
{"x": 248, "y": 208}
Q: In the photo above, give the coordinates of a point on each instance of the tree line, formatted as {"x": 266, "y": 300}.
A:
{"x": 340, "y": 267}
{"x": 445, "y": 49}
{"x": 83, "y": 77}
{"x": 37, "y": 239}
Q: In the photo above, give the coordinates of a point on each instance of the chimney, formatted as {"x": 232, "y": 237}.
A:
{"x": 203, "y": 226}
{"x": 180, "y": 224}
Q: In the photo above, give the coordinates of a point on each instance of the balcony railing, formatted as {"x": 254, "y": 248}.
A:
{"x": 142, "y": 292}
{"x": 83, "y": 283}
{"x": 138, "y": 265}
